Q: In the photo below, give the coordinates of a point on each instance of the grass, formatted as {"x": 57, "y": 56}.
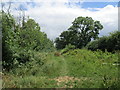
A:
{"x": 77, "y": 68}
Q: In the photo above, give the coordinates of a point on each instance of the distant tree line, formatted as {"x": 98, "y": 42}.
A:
{"x": 84, "y": 34}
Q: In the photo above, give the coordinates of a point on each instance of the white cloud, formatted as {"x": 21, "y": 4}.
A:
{"x": 60, "y": 0}
{"x": 54, "y": 16}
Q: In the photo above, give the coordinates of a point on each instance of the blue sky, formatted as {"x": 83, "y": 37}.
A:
{"x": 98, "y": 4}
{"x": 92, "y": 4}
{"x": 85, "y": 5}
{"x": 56, "y": 16}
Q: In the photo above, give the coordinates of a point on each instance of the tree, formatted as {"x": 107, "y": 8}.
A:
{"x": 32, "y": 38}
{"x": 7, "y": 39}
{"x": 110, "y": 43}
{"x": 21, "y": 42}
{"x": 82, "y": 31}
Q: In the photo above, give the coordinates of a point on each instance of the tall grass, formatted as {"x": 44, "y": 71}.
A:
{"x": 78, "y": 68}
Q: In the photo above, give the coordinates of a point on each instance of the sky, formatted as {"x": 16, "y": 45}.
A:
{"x": 56, "y": 16}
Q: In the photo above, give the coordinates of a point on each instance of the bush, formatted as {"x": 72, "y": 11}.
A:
{"x": 19, "y": 42}
{"x": 110, "y": 43}
{"x": 114, "y": 41}
{"x": 67, "y": 48}
{"x": 108, "y": 82}
{"x": 92, "y": 45}
{"x": 31, "y": 67}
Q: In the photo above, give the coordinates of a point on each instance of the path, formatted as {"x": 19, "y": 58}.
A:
{"x": 63, "y": 81}
{"x": 64, "y": 68}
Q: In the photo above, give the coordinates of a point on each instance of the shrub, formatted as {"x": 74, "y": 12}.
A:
{"x": 108, "y": 82}
{"x": 67, "y": 48}
{"x": 20, "y": 41}
{"x": 110, "y": 43}
{"x": 92, "y": 45}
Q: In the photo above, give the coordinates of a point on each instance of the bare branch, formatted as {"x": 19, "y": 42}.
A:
{"x": 9, "y": 8}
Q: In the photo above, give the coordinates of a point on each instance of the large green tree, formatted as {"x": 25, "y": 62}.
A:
{"x": 82, "y": 31}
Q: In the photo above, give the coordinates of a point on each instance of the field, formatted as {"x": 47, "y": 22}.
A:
{"x": 78, "y": 68}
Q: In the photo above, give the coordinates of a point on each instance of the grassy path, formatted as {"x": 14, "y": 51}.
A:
{"x": 64, "y": 80}
{"x": 64, "y": 68}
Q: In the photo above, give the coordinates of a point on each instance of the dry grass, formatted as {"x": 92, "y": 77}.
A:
{"x": 65, "y": 80}
{"x": 57, "y": 54}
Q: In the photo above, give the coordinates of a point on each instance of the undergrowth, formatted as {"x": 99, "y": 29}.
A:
{"x": 79, "y": 67}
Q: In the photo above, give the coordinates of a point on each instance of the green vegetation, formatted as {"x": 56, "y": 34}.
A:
{"x": 74, "y": 69}
{"x": 81, "y": 32}
{"x": 20, "y": 41}
{"x": 30, "y": 59}
{"x": 110, "y": 43}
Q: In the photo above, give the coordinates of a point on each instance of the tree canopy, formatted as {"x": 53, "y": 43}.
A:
{"x": 81, "y": 32}
{"x": 110, "y": 43}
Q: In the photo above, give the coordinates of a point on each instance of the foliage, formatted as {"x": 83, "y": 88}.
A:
{"x": 7, "y": 39}
{"x": 19, "y": 42}
{"x": 110, "y": 43}
{"x": 81, "y": 32}
{"x": 114, "y": 41}
{"x": 67, "y": 48}
{"x": 30, "y": 65}
{"x": 78, "y": 68}
{"x": 109, "y": 83}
